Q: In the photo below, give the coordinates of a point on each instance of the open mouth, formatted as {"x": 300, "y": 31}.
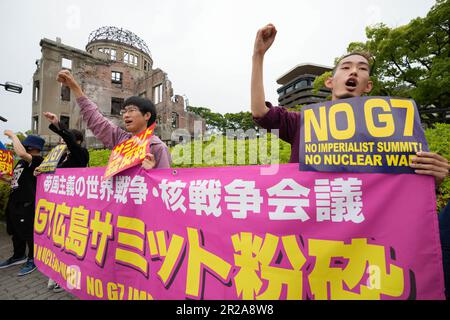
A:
{"x": 128, "y": 122}
{"x": 352, "y": 83}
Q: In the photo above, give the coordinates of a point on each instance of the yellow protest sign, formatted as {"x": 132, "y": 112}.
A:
{"x": 51, "y": 160}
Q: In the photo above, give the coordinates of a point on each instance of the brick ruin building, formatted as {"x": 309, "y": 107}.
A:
{"x": 117, "y": 64}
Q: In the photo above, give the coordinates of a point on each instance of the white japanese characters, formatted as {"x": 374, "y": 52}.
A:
{"x": 331, "y": 200}
{"x": 118, "y": 188}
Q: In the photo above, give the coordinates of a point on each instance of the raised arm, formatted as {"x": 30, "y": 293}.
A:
{"x": 52, "y": 118}
{"x": 104, "y": 130}
{"x": 67, "y": 79}
{"x": 19, "y": 149}
{"x": 263, "y": 41}
{"x": 64, "y": 133}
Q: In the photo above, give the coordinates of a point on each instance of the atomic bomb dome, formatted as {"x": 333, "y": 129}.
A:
{"x": 117, "y": 64}
{"x": 118, "y": 36}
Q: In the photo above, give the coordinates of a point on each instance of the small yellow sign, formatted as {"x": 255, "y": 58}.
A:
{"x": 52, "y": 159}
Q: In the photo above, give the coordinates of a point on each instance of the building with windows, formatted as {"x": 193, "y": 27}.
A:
{"x": 297, "y": 85}
{"x": 116, "y": 64}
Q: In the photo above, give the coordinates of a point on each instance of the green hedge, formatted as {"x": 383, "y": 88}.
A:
{"x": 214, "y": 155}
{"x": 438, "y": 139}
{"x": 99, "y": 158}
{"x": 4, "y": 194}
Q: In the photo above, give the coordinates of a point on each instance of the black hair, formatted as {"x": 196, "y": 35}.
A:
{"x": 365, "y": 55}
{"x": 144, "y": 105}
{"x": 78, "y": 135}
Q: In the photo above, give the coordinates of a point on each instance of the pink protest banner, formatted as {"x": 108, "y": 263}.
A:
{"x": 232, "y": 233}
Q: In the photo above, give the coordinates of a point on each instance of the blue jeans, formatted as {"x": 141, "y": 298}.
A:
{"x": 444, "y": 230}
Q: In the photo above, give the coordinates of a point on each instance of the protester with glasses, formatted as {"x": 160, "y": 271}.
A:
{"x": 138, "y": 114}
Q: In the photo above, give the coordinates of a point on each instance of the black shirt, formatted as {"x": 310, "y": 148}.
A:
{"x": 77, "y": 157}
{"x": 23, "y": 184}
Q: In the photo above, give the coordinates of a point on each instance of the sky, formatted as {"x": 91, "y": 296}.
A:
{"x": 205, "y": 46}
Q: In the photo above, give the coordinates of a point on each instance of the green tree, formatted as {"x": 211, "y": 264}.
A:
{"x": 218, "y": 123}
{"x": 319, "y": 82}
{"x": 241, "y": 120}
{"x": 21, "y": 136}
{"x": 214, "y": 121}
{"x": 414, "y": 61}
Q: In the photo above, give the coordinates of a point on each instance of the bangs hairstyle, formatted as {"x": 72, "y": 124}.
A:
{"x": 144, "y": 105}
{"x": 363, "y": 54}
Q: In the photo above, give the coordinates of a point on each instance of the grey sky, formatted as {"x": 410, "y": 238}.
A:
{"x": 204, "y": 46}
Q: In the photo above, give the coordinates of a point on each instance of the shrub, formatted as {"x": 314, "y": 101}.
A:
{"x": 99, "y": 158}
{"x": 438, "y": 139}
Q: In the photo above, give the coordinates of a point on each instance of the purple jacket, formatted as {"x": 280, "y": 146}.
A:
{"x": 111, "y": 135}
{"x": 288, "y": 122}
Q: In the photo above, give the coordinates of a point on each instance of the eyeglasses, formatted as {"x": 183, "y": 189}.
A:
{"x": 128, "y": 110}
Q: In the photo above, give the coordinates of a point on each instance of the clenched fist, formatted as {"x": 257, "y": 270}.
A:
{"x": 9, "y": 133}
{"x": 52, "y": 118}
{"x": 264, "y": 39}
{"x": 67, "y": 79}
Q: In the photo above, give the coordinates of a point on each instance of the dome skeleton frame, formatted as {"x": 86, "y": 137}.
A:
{"x": 119, "y": 35}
